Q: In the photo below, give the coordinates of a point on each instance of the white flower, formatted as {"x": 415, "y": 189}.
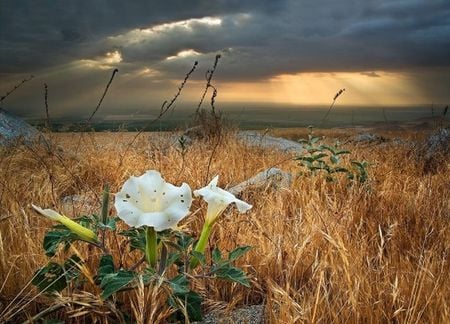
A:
{"x": 149, "y": 200}
{"x": 82, "y": 232}
{"x": 218, "y": 200}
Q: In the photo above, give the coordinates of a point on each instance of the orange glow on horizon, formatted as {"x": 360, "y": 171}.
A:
{"x": 372, "y": 88}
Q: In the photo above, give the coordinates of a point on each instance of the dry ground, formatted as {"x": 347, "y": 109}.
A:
{"x": 323, "y": 252}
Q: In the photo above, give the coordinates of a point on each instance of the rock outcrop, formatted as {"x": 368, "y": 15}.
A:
{"x": 14, "y": 129}
{"x": 256, "y": 139}
{"x": 369, "y": 138}
{"x": 273, "y": 177}
{"x": 435, "y": 151}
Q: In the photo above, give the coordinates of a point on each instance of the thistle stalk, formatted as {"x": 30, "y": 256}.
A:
{"x": 105, "y": 204}
{"x": 104, "y": 212}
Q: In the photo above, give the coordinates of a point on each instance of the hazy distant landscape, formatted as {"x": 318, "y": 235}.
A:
{"x": 257, "y": 116}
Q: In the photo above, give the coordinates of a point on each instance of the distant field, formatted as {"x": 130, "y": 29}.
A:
{"x": 252, "y": 116}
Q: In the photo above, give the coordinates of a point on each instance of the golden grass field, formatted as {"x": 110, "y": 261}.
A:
{"x": 322, "y": 252}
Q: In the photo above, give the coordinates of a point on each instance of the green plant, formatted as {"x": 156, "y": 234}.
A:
{"x": 169, "y": 257}
{"x": 328, "y": 159}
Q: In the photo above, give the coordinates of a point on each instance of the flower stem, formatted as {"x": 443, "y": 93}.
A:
{"x": 201, "y": 244}
{"x": 150, "y": 246}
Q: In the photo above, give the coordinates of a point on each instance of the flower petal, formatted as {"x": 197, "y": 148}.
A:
{"x": 176, "y": 201}
{"x": 242, "y": 206}
{"x": 148, "y": 200}
{"x": 127, "y": 211}
{"x": 174, "y": 206}
{"x": 82, "y": 232}
{"x": 218, "y": 200}
{"x": 49, "y": 213}
{"x": 150, "y": 184}
{"x": 214, "y": 181}
{"x": 211, "y": 186}
{"x": 130, "y": 192}
{"x": 157, "y": 220}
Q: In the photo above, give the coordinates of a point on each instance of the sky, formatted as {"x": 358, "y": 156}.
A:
{"x": 299, "y": 52}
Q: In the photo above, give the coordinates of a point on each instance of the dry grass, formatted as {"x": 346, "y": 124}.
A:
{"x": 322, "y": 252}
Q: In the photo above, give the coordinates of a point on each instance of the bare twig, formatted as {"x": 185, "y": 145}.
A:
{"x": 17, "y": 86}
{"x": 209, "y": 75}
{"x": 183, "y": 151}
{"x": 103, "y": 96}
{"x": 104, "y": 211}
{"x": 332, "y": 105}
{"x": 45, "y": 312}
{"x": 216, "y": 145}
{"x": 137, "y": 264}
{"x": 165, "y": 107}
{"x": 47, "y": 115}
{"x": 180, "y": 88}
{"x": 88, "y": 121}
{"x": 444, "y": 113}
{"x": 218, "y": 129}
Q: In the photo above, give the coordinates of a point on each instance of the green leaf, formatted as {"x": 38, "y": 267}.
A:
{"x": 148, "y": 275}
{"x": 50, "y": 278}
{"x": 110, "y": 225}
{"x": 52, "y": 321}
{"x": 113, "y": 282}
{"x": 194, "y": 306}
{"x": 53, "y": 239}
{"x": 87, "y": 221}
{"x": 105, "y": 267}
{"x": 184, "y": 241}
{"x": 71, "y": 268}
{"x": 313, "y": 150}
{"x": 342, "y": 152}
{"x": 305, "y": 158}
{"x": 319, "y": 156}
{"x": 137, "y": 238}
{"x": 334, "y": 159}
{"x": 179, "y": 285}
{"x": 54, "y": 277}
{"x": 328, "y": 148}
{"x": 232, "y": 274}
{"x": 199, "y": 256}
{"x": 238, "y": 252}
{"x": 216, "y": 255}
{"x": 183, "y": 297}
{"x": 173, "y": 258}
{"x": 361, "y": 171}
{"x": 314, "y": 139}
{"x": 192, "y": 302}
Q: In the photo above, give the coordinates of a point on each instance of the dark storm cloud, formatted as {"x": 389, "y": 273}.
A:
{"x": 258, "y": 39}
{"x": 36, "y": 34}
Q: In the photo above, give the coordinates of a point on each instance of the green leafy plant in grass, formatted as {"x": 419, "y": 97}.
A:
{"x": 152, "y": 208}
{"x": 319, "y": 158}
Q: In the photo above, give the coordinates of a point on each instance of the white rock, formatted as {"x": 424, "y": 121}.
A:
{"x": 266, "y": 141}
{"x": 270, "y": 177}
